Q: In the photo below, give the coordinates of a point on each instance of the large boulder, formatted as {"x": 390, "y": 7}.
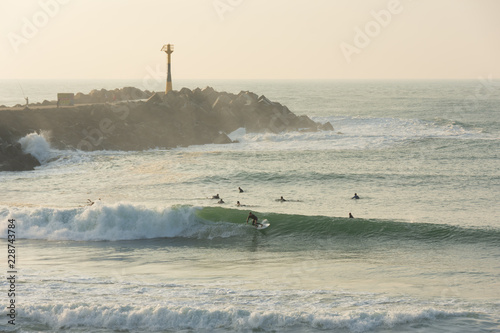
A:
{"x": 81, "y": 98}
{"x": 245, "y": 98}
{"x": 12, "y": 158}
{"x": 132, "y": 93}
{"x": 222, "y": 102}
{"x": 154, "y": 99}
{"x": 187, "y": 92}
{"x": 210, "y": 94}
{"x": 222, "y": 138}
{"x": 325, "y": 127}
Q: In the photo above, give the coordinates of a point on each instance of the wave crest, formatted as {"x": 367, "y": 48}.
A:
{"x": 113, "y": 222}
{"x": 223, "y": 318}
{"x": 123, "y": 221}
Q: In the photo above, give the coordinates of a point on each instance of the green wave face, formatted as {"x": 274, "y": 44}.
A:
{"x": 340, "y": 228}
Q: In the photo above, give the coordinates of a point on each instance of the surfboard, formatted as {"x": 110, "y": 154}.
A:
{"x": 264, "y": 224}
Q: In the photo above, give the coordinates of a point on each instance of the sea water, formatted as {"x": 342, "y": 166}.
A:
{"x": 155, "y": 253}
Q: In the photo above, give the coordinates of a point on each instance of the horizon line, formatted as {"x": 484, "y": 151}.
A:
{"x": 256, "y": 79}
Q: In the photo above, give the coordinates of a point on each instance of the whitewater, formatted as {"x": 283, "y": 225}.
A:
{"x": 154, "y": 252}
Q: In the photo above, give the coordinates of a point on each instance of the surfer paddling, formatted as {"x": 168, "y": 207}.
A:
{"x": 355, "y": 196}
{"x": 254, "y": 219}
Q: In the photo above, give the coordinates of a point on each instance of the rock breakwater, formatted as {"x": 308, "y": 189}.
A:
{"x": 179, "y": 118}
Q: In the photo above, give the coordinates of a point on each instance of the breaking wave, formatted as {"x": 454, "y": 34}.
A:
{"x": 124, "y": 221}
{"x": 37, "y": 145}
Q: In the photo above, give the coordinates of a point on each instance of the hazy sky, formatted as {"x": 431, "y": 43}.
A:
{"x": 250, "y": 39}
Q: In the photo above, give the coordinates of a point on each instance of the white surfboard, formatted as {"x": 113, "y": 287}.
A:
{"x": 263, "y": 225}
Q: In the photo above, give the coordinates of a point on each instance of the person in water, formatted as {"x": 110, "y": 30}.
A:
{"x": 254, "y": 219}
{"x": 355, "y": 196}
{"x": 282, "y": 199}
{"x": 220, "y": 201}
{"x": 350, "y": 216}
{"x": 240, "y": 189}
{"x": 90, "y": 202}
{"x": 216, "y": 196}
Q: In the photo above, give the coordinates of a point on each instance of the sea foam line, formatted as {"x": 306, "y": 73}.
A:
{"x": 350, "y": 133}
{"x": 228, "y": 317}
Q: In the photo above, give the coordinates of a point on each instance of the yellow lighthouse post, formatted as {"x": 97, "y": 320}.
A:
{"x": 168, "y": 48}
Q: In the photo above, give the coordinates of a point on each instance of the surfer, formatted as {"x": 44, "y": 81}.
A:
{"x": 350, "y": 216}
{"x": 282, "y": 199}
{"x": 240, "y": 189}
{"x": 254, "y": 219}
{"x": 220, "y": 201}
{"x": 90, "y": 202}
{"x": 355, "y": 196}
{"x": 216, "y": 196}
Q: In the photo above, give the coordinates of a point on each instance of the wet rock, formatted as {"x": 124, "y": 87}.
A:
{"x": 154, "y": 99}
{"x": 325, "y": 127}
{"x": 12, "y": 158}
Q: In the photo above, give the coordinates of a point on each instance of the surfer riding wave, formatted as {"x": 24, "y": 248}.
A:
{"x": 254, "y": 219}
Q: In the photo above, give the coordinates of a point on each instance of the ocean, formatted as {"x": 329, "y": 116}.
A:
{"x": 155, "y": 253}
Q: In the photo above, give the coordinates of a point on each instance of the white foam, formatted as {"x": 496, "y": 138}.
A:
{"x": 237, "y": 134}
{"x": 165, "y": 316}
{"x": 135, "y": 302}
{"x": 37, "y": 145}
{"x": 120, "y": 221}
{"x": 351, "y": 133}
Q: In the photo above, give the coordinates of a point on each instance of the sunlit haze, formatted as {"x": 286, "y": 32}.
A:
{"x": 250, "y": 39}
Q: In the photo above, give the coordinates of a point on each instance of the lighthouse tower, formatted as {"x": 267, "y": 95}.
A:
{"x": 168, "y": 48}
